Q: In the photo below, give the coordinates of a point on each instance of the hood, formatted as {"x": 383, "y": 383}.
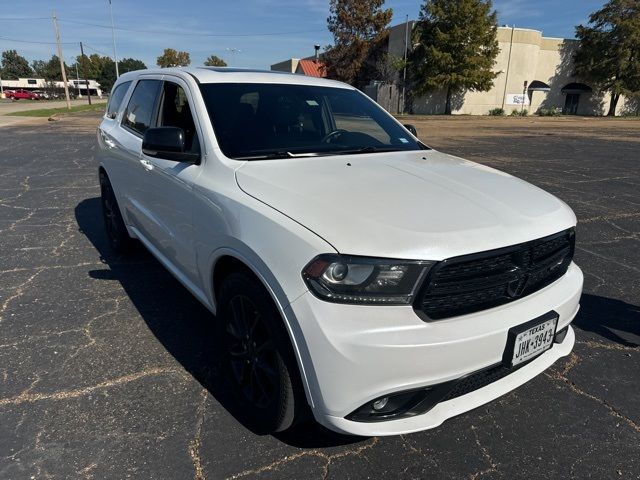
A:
{"x": 411, "y": 205}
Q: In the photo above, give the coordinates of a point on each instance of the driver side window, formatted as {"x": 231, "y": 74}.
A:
{"x": 175, "y": 111}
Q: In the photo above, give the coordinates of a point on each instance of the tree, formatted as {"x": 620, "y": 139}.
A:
{"x": 50, "y": 69}
{"x": 86, "y": 67}
{"x": 608, "y": 54}
{"x": 131, "y": 64}
{"x": 172, "y": 58}
{"x": 215, "y": 61}
{"x": 359, "y": 29}
{"x": 107, "y": 71}
{"x": 14, "y": 66}
{"x": 457, "y": 47}
{"x": 38, "y": 67}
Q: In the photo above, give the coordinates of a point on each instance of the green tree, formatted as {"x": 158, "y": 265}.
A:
{"x": 107, "y": 76}
{"x": 130, "y": 64}
{"x": 50, "y": 69}
{"x": 456, "y": 47}
{"x": 14, "y": 66}
{"x": 608, "y": 54}
{"x": 38, "y": 67}
{"x": 173, "y": 58}
{"x": 215, "y": 61}
{"x": 359, "y": 29}
{"x": 86, "y": 67}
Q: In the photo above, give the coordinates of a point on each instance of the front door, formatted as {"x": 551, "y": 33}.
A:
{"x": 169, "y": 184}
{"x": 571, "y": 104}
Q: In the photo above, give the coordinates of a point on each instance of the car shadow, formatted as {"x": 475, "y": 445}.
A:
{"x": 609, "y": 318}
{"x": 180, "y": 322}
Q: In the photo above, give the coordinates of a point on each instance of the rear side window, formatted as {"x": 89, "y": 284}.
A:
{"x": 141, "y": 107}
{"x": 115, "y": 99}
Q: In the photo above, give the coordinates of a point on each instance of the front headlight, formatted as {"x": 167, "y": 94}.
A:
{"x": 364, "y": 280}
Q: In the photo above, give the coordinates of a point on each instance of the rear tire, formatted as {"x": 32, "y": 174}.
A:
{"x": 116, "y": 231}
{"x": 257, "y": 356}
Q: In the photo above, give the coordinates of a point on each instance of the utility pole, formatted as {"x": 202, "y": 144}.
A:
{"x": 113, "y": 36}
{"x": 404, "y": 69}
{"x": 61, "y": 58}
{"x": 84, "y": 72}
{"x": 78, "y": 81}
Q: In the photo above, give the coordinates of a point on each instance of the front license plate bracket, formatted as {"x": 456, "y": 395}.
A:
{"x": 518, "y": 336}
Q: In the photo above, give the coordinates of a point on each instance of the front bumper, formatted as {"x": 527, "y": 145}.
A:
{"x": 352, "y": 354}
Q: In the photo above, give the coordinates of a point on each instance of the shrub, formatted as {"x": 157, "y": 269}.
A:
{"x": 519, "y": 113}
{"x": 549, "y": 112}
{"x": 496, "y": 112}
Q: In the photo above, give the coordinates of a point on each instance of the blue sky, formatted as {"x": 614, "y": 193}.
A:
{"x": 229, "y": 29}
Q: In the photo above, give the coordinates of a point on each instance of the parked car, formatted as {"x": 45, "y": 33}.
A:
{"x": 42, "y": 94}
{"x": 353, "y": 271}
{"x": 21, "y": 94}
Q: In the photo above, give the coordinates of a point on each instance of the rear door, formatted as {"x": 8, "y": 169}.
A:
{"x": 127, "y": 166}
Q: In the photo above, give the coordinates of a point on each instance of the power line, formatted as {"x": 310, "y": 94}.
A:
{"x": 182, "y": 34}
{"x": 96, "y": 50}
{"x": 34, "y": 42}
{"x": 24, "y": 18}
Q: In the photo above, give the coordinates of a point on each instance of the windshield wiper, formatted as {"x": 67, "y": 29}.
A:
{"x": 369, "y": 149}
{"x": 277, "y": 154}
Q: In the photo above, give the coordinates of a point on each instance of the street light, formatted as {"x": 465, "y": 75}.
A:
{"x": 113, "y": 35}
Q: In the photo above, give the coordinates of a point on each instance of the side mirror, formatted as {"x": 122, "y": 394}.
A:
{"x": 167, "y": 143}
{"x": 412, "y": 129}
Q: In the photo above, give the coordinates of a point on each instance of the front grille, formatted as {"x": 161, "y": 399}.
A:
{"x": 484, "y": 280}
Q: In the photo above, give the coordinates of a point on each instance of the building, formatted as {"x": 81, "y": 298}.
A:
{"x": 310, "y": 66}
{"x": 77, "y": 86}
{"x": 534, "y": 72}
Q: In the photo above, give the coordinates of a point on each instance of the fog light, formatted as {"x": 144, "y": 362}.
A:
{"x": 380, "y": 404}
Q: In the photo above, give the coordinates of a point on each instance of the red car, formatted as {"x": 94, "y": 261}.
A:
{"x": 22, "y": 94}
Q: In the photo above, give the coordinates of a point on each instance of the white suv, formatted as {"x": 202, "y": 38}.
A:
{"x": 352, "y": 270}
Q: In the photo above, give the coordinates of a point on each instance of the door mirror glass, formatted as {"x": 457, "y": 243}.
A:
{"x": 411, "y": 128}
{"x": 167, "y": 143}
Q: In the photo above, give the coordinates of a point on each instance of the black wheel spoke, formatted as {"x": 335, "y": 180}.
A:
{"x": 251, "y": 352}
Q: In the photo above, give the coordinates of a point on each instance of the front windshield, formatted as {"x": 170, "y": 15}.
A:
{"x": 255, "y": 121}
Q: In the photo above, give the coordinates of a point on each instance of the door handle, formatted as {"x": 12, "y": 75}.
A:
{"x": 148, "y": 166}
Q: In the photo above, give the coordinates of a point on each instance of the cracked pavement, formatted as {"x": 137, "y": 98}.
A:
{"x": 104, "y": 370}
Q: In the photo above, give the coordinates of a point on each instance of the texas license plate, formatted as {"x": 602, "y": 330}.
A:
{"x": 530, "y": 339}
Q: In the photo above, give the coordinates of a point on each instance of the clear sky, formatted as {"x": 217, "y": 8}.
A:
{"x": 246, "y": 33}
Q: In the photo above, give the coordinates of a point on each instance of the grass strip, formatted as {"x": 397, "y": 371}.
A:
{"x": 48, "y": 112}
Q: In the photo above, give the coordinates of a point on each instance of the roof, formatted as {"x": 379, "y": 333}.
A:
{"x": 311, "y": 68}
{"x": 237, "y": 75}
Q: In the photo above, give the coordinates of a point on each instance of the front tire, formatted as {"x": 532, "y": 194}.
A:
{"x": 257, "y": 356}
{"x": 117, "y": 234}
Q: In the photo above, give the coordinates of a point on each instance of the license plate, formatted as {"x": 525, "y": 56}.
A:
{"x": 530, "y": 339}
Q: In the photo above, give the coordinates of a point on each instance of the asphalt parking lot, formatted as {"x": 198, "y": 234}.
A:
{"x": 104, "y": 374}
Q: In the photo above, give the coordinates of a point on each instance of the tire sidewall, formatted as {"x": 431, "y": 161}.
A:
{"x": 280, "y": 413}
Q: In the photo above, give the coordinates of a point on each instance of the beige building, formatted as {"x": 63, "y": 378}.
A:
{"x": 532, "y": 69}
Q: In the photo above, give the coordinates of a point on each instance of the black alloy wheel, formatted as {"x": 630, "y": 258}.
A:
{"x": 252, "y": 354}
{"x": 257, "y": 356}
{"x": 116, "y": 230}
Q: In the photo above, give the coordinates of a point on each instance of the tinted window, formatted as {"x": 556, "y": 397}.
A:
{"x": 141, "y": 107}
{"x": 255, "y": 121}
{"x": 115, "y": 99}
{"x": 176, "y": 112}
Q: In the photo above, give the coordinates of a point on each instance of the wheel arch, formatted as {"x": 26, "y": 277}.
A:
{"x": 225, "y": 261}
